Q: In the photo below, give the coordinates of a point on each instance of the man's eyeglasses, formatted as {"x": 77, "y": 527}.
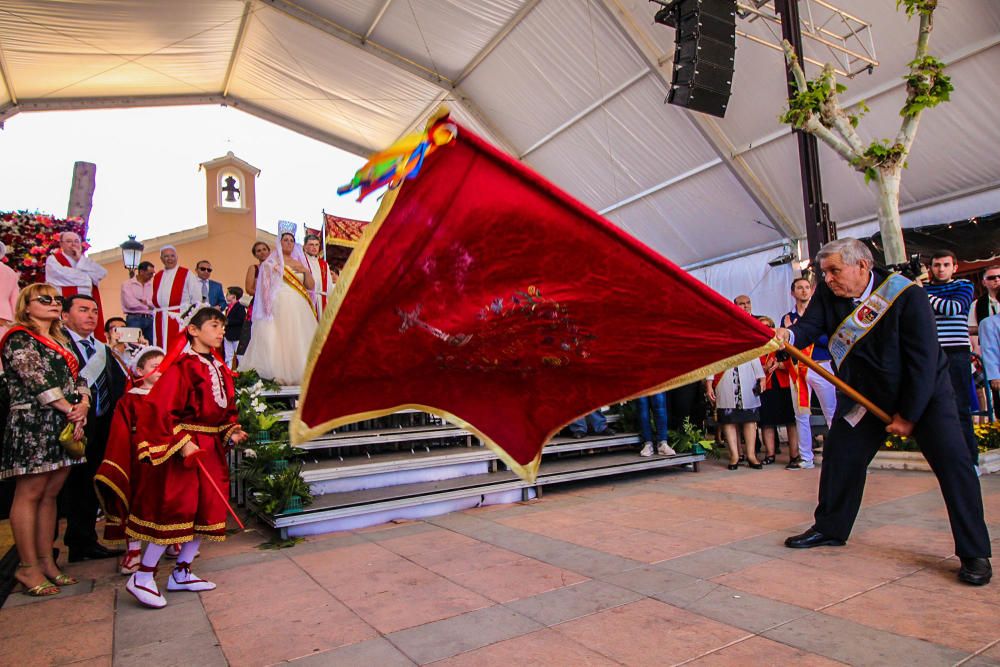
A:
{"x": 48, "y": 299}
{"x": 996, "y": 277}
{"x": 206, "y": 269}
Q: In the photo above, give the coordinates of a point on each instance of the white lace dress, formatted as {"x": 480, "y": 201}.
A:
{"x": 279, "y": 346}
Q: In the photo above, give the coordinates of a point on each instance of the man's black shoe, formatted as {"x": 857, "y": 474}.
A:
{"x": 578, "y": 436}
{"x": 92, "y": 552}
{"x": 976, "y": 571}
{"x": 812, "y": 538}
{"x": 607, "y": 431}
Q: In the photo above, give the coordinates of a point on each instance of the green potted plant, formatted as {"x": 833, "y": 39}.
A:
{"x": 691, "y": 439}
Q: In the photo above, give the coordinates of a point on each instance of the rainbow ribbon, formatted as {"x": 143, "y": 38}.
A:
{"x": 402, "y": 160}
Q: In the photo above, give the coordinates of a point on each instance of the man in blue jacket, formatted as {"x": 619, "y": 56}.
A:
{"x": 883, "y": 341}
{"x": 211, "y": 290}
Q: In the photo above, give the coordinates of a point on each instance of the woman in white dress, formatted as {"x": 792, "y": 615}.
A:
{"x": 284, "y": 321}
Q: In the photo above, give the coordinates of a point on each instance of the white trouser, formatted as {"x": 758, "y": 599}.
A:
{"x": 230, "y": 351}
{"x": 827, "y": 395}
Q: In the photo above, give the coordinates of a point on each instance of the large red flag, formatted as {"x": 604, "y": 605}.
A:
{"x": 484, "y": 294}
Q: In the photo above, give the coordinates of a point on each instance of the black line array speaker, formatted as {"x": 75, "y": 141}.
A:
{"x": 704, "y": 53}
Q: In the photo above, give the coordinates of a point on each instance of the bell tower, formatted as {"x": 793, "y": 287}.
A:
{"x": 230, "y": 194}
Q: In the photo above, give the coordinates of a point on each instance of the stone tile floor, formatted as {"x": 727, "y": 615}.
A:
{"x": 665, "y": 568}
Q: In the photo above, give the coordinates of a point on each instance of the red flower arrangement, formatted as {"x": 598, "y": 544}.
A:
{"x": 31, "y": 237}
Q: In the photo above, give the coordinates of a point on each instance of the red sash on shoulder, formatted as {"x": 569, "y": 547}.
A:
{"x": 94, "y": 292}
{"x": 70, "y": 358}
{"x": 159, "y": 316}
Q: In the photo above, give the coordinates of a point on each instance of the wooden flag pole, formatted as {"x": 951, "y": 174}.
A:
{"x": 838, "y": 383}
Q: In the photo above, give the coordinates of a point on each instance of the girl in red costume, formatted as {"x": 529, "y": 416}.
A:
{"x": 192, "y": 417}
{"x": 120, "y": 471}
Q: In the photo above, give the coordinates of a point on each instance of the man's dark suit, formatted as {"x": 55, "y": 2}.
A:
{"x": 77, "y": 498}
{"x": 900, "y": 366}
{"x": 216, "y": 297}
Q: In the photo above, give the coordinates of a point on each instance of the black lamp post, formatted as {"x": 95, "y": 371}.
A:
{"x": 131, "y": 254}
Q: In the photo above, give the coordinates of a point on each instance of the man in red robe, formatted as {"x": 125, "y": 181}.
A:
{"x": 175, "y": 290}
{"x": 320, "y": 272}
{"x": 69, "y": 271}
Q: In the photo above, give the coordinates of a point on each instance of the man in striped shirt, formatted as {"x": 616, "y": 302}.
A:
{"x": 950, "y": 299}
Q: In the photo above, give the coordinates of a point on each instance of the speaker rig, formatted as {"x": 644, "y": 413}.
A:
{"x": 704, "y": 52}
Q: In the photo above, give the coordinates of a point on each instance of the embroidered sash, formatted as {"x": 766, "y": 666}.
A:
{"x": 69, "y": 357}
{"x": 863, "y": 318}
{"x": 95, "y": 365}
{"x": 164, "y": 324}
{"x": 293, "y": 281}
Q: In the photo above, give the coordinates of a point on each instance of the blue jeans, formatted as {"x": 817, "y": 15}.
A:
{"x": 597, "y": 423}
{"x": 140, "y": 322}
{"x": 659, "y": 405}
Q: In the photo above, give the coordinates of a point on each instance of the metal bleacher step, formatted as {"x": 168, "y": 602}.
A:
{"x": 396, "y": 462}
{"x": 330, "y": 508}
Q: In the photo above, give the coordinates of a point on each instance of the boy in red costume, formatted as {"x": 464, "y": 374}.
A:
{"x": 192, "y": 417}
{"x": 120, "y": 471}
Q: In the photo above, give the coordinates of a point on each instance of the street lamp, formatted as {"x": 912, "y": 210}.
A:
{"x": 131, "y": 253}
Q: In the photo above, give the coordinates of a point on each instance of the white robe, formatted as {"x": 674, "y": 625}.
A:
{"x": 84, "y": 274}
{"x": 191, "y": 293}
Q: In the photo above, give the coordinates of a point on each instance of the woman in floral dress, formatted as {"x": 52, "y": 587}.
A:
{"x": 46, "y": 393}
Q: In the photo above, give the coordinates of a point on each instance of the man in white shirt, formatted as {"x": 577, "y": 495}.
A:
{"x": 69, "y": 271}
{"x": 175, "y": 289}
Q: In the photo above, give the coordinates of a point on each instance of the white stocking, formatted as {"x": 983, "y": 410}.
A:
{"x": 134, "y": 545}
{"x": 189, "y": 551}
{"x": 150, "y": 559}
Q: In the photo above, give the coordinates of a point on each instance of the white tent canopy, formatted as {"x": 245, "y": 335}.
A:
{"x": 575, "y": 88}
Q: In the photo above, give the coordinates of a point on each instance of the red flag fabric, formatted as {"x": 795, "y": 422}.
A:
{"x": 484, "y": 294}
{"x": 343, "y": 231}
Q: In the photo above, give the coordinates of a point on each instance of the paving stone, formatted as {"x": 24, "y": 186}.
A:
{"x": 650, "y": 579}
{"x": 572, "y": 602}
{"x": 376, "y": 652}
{"x": 739, "y": 609}
{"x": 712, "y": 562}
{"x": 860, "y": 645}
{"x": 238, "y": 559}
{"x": 139, "y": 626}
{"x": 201, "y": 649}
{"x": 467, "y": 632}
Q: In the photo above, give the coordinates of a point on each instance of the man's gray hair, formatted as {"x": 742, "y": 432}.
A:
{"x": 851, "y": 251}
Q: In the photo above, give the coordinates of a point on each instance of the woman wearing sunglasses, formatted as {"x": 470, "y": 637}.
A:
{"x": 46, "y": 394}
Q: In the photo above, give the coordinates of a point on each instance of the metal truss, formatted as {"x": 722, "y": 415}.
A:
{"x": 848, "y": 38}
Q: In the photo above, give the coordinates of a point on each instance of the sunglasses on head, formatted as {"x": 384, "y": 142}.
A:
{"x": 48, "y": 299}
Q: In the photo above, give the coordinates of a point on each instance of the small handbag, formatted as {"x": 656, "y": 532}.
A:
{"x": 74, "y": 448}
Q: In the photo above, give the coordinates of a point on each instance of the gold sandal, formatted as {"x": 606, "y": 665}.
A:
{"x": 42, "y": 590}
{"x": 62, "y": 579}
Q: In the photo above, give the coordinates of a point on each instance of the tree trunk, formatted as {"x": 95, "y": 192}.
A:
{"x": 888, "y": 217}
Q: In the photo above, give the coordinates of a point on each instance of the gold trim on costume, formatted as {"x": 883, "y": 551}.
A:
{"x": 118, "y": 492}
{"x": 145, "y": 450}
{"x": 162, "y": 541}
{"x": 199, "y": 428}
{"x": 214, "y": 526}
{"x": 301, "y": 432}
{"x": 116, "y": 467}
{"x": 168, "y": 527}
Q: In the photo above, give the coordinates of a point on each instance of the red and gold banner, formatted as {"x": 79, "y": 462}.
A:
{"x": 486, "y": 295}
{"x": 343, "y": 231}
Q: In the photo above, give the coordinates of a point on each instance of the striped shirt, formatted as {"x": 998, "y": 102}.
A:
{"x": 950, "y": 302}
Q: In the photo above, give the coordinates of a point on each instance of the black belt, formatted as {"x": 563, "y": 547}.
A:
{"x": 138, "y": 315}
